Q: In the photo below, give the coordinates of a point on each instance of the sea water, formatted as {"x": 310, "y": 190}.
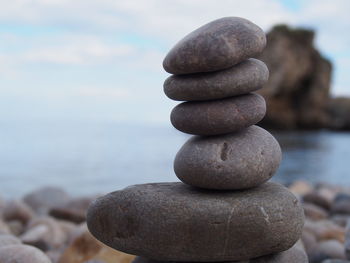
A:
{"x": 98, "y": 157}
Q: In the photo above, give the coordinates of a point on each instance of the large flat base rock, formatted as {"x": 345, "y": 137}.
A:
{"x": 176, "y": 222}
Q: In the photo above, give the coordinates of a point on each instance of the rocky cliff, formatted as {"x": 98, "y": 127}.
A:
{"x": 298, "y": 89}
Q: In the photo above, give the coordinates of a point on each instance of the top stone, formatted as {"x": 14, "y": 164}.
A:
{"x": 217, "y": 45}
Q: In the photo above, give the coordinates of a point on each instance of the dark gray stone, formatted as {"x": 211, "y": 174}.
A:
{"x": 74, "y": 210}
{"x": 218, "y": 116}
{"x": 341, "y": 204}
{"x": 238, "y": 160}
{"x": 316, "y": 198}
{"x": 176, "y": 222}
{"x": 292, "y": 255}
{"x": 247, "y": 76}
{"x": 217, "y": 45}
{"x": 347, "y": 240}
{"x": 328, "y": 249}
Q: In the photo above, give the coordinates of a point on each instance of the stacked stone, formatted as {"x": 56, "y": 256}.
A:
{"x": 225, "y": 210}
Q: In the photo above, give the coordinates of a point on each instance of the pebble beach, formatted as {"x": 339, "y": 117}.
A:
{"x": 48, "y": 225}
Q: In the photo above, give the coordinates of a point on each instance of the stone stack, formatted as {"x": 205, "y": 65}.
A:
{"x": 225, "y": 210}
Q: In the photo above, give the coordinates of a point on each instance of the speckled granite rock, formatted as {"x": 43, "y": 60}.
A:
{"x": 234, "y": 161}
{"x": 217, "y": 45}
{"x": 245, "y": 77}
{"x": 218, "y": 116}
{"x": 175, "y": 222}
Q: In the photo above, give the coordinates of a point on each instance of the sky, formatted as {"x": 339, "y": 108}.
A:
{"x": 101, "y": 60}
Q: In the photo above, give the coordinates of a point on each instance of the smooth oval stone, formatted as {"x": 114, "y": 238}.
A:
{"x": 22, "y": 254}
{"x": 238, "y": 160}
{"x": 217, "y": 45}
{"x": 249, "y": 75}
{"x": 176, "y": 222}
{"x": 292, "y": 255}
{"x": 6, "y": 240}
{"x": 218, "y": 116}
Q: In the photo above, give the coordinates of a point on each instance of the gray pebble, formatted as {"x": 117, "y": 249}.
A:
{"x": 247, "y": 76}
{"x": 234, "y": 161}
{"x": 218, "y": 116}
{"x": 217, "y": 45}
{"x": 41, "y": 200}
{"x": 6, "y": 240}
{"x": 22, "y": 254}
{"x": 347, "y": 240}
{"x": 341, "y": 204}
{"x": 328, "y": 249}
{"x": 175, "y": 222}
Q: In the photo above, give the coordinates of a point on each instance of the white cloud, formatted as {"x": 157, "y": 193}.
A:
{"x": 8, "y": 66}
{"x": 171, "y": 20}
{"x": 92, "y": 32}
{"x": 331, "y": 19}
{"x": 78, "y": 51}
{"x": 101, "y": 21}
{"x": 332, "y": 23}
{"x": 100, "y": 92}
{"x": 168, "y": 19}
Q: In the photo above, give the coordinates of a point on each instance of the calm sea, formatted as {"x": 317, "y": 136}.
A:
{"x": 89, "y": 158}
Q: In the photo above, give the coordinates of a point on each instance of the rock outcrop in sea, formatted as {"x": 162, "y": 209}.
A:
{"x": 224, "y": 209}
{"x": 298, "y": 92}
{"x": 298, "y": 89}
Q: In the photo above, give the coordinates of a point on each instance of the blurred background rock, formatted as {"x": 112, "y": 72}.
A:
{"x": 298, "y": 93}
